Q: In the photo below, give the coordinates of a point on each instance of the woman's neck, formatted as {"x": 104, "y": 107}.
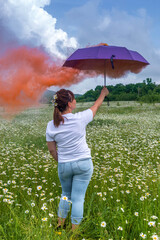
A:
{"x": 67, "y": 111}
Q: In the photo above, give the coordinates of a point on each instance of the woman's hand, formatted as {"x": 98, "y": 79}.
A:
{"x": 104, "y": 92}
{"x": 99, "y": 101}
{"x": 53, "y": 150}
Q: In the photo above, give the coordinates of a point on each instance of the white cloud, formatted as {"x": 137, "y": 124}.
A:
{"x": 30, "y": 22}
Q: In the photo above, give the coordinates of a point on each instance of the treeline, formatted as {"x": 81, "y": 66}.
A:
{"x": 147, "y": 91}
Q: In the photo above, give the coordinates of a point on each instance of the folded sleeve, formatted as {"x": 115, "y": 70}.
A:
{"x": 87, "y": 116}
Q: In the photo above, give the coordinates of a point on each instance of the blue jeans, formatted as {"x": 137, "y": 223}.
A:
{"x": 74, "y": 177}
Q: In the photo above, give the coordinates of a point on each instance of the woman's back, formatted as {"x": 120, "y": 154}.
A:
{"x": 70, "y": 136}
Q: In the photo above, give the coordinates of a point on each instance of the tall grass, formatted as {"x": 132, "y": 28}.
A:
{"x": 124, "y": 192}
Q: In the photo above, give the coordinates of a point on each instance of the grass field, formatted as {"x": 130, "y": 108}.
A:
{"x": 123, "y": 197}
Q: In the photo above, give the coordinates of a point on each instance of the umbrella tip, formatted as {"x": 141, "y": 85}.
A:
{"x": 102, "y": 44}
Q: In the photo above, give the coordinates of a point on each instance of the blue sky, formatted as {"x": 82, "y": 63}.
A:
{"x": 61, "y": 8}
{"x": 61, "y": 26}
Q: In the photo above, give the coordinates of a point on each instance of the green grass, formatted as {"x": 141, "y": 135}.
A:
{"x": 125, "y": 143}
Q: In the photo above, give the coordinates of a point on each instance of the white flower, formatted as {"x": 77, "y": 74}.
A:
{"x": 39, "y": 188}
{"x": 147, "y": 194}
{"x": 32, "y": 204}
{"x": 151, "y": 224}
{"x": 154, "y": 217}
{"x": 65, "y": 198}
{"x": 143, "y": 235}
{"x": 51, "y": 215}
{"x": 44, "y": 219}
{"x": 136, "y": 214}
{"x": 120, "y": 228}
{"x": 155, "y": 237}
{"x": 142, "y": 198}
{"x": 99, "y": 194}
{"x": 55, "y": 96}
{"x": 51, "y": 199}
{"x": 44, "y": 207}
{"x": 27, "y": 211}
{"x": 5, "y": 190}
{"x": 103, "y": 224}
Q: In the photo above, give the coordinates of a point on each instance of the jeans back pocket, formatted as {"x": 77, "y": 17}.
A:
{"x": 84, "y": 165}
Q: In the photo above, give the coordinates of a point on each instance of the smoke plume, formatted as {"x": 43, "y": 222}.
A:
{"x": 32, "y": 53}
{"x": 26, "y": 72}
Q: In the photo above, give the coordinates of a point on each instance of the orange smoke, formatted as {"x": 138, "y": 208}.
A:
{"x": 26, "y": 72}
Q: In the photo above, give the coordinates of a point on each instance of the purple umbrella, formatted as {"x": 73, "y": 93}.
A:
{"x": 112, "y": 61}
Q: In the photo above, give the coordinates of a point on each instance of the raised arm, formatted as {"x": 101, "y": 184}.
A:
{"x": 99, "y": 101}
{"x": 52, "y": 149}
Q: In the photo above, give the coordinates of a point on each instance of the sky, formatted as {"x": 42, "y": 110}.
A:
{"x": 62, "y": 26}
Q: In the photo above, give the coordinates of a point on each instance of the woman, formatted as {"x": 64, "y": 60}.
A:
{"x": 67, "y": 133}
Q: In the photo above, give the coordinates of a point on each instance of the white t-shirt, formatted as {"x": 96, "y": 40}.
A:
{"x": 70, "y": 136}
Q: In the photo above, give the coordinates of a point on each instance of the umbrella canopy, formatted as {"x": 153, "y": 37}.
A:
{"x": 112, "y": 61}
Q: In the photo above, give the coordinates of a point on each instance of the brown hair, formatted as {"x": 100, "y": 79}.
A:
{"x": 62, "y": 98}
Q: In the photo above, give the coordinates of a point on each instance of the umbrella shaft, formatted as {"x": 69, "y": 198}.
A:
{"x": 105, "y": 73}
{"x": 105, "y": 80}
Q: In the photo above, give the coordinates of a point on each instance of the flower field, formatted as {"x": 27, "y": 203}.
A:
{"x": 123, "y": 197}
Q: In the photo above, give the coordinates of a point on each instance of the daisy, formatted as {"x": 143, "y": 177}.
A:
{"x": 51, "y": 215}
{"x": 44, "y": 219}
{"x": 151, "y": 224}
{"x": 99, "y": 194}
{"x": 136, "y": 214}
{"x": 64, "y": 198}
{"x": 44, "y": 207}
{"x": 120, "y": 228}
{"x": 39, "y": 188}
{"x": 147, "y": 194}
{"x": 5, "y": 190}
{"x": 143, "y": 235}
{"x": 142, "y": 198}
{"x": 154, "y": 217}
{"x": 103, "y": 224}
{"x": 155, "y": 237}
